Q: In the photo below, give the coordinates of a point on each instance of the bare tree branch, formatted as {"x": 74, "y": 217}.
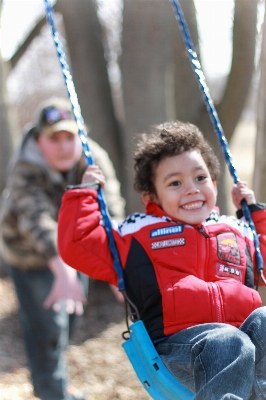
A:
{"x": 29, "y": 38}
{"x": 23, "y": 47}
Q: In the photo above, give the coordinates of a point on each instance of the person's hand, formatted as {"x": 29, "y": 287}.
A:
{"x": 93, "y": 174}
{"x": 241, "y": 192}
{"x": 66, "y": 286}
{"x": 118, "y": 295}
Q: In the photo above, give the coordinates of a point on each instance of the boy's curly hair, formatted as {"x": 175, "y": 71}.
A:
{"x": 166, "y": 140}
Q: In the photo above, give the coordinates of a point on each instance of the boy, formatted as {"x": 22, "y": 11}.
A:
{"x": 49, "y": 158}
{"x": 189, "y": 271}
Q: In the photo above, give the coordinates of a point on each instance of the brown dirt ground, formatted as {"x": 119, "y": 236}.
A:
{"x": 97, "y": 364}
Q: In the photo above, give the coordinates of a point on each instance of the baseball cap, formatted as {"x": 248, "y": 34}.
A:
{"x": 55, "y": 115}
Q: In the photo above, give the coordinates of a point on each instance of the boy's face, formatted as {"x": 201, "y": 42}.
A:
{"x": 62, "y": 150}
{"x": 184, "y": 188}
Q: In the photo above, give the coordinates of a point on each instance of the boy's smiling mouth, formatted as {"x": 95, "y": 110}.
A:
{"x": 192, "y": 206}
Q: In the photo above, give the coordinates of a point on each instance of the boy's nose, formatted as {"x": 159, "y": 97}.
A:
{"x": 191, "y": 188}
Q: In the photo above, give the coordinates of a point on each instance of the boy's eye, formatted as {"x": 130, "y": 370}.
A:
{"x": 175, "y": 183}
{"x": 200, "y": 178}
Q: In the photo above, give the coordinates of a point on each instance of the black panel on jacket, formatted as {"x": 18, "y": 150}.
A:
{"x": 249, "y": 280}
{"x": 143, "y": 290}
{"x": 252, "y": 208}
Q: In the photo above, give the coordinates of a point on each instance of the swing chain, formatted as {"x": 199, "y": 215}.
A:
{"x": 133, "y": 316}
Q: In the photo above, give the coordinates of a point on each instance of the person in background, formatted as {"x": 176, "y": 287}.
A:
{"x": 50, "y": 293}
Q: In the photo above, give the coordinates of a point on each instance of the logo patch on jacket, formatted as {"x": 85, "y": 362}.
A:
{"x": 229, "y": 272}
{"x": 168, "y": 230}
{"x": 228, "y": 249}
{"x": 168, "y": 243}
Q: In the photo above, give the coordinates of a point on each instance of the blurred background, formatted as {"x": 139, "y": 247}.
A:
{"x": 131, "y": 70}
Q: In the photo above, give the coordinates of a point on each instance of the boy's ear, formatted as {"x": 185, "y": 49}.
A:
{"x": 147, "y": 196}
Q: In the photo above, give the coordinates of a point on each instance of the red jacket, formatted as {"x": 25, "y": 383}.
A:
{"x": 177, "y": 275}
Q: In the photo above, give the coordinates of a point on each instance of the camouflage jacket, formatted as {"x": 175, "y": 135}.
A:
{"x": 32, "y": 198}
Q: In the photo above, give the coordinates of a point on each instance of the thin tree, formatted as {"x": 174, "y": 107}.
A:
{"x": 6, "y": 122}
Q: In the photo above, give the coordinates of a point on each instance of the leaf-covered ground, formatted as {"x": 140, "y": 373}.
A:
{"x": 97, "y": 364}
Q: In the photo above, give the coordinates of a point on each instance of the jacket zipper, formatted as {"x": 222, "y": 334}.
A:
{"x": 204, "y": 236}
{"x": 203, "y": 231}
{"x": 215, "y": 290}
{"x": 217, "y": 302}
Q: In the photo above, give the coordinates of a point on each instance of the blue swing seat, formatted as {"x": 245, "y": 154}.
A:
{"x": 158, "y": 381}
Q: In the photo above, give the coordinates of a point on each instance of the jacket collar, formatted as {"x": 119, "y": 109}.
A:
{"x": 154, "y": 209}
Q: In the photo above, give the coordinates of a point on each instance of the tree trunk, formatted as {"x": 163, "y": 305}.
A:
{"x": 188, "y": 101}
{"x": 6, "y": 141}
{"x": 150, "y": 38}
{"x": 242, "y": 67}
{"x": 85, "y": 46}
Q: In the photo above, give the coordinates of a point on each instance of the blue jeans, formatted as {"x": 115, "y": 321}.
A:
{"x": 218, "y": 361}
{"x": 46, "y": 333}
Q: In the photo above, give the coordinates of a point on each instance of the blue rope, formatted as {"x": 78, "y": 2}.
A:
{"x": 215, "y": 120}
{"x": 83, "y": 136}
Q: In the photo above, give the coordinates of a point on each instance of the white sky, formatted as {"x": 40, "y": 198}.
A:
{"x": 215, "y": 19}
{"x": 215, "y": 22}
{"x": 18, "y": 16}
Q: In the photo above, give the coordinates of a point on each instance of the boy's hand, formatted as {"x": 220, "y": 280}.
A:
{"x": 93, "y": 174}
{"x": 240, "y": 192}
{"x": 66, "y": 286}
